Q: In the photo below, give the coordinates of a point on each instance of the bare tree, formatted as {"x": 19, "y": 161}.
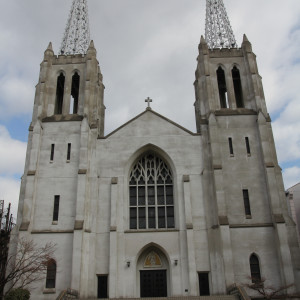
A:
{"x": 6, "y": 225}
{"x": 27, "y": 265}
{"x": 271, "y": 292}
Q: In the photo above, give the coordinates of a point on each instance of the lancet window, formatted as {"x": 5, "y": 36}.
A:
{"x": 59, "y": 94}
{"x": 51, "y": 274}
{"x": 255, "y": 269}
{"x": 74, "y": 94}
{"x": 237, "y": 85}
{"x": 222, "y": 88}
{"x": 151, "y": 202}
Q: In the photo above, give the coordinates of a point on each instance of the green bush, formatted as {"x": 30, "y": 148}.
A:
{"x": 18, "y": 294}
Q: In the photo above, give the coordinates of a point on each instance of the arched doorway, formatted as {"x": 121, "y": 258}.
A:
{"x": 153, "y": 273}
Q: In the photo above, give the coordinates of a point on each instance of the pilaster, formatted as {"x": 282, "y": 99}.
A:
{"x": 113, "y": 257}
{"x": 192, "y": 271}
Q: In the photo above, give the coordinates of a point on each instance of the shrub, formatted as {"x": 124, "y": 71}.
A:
{"x": 18, "y": 294}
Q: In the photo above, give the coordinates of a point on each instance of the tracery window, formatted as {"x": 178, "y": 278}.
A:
{"x": 151, "y": 194}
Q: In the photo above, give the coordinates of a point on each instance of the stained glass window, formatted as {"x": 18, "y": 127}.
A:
{"x": 151, "y": 202}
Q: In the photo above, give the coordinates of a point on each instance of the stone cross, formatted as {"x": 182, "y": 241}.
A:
{"x": 148, "y": 100}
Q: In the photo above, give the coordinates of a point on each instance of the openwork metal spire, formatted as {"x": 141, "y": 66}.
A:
{"x": 76, "y": 38}
{"x": 218, "y": 32}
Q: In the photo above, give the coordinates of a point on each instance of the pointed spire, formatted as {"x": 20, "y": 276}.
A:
{"x": 50, "y": 47}
{"x": 49, "y": 50}
{"x": 76, "y": 38}
{"x": 203, "y": 45}
{"x": 202, "y": 40}
{"x": 246, "y": 44}
{"x": 91, "y": 49}
{"x": 218, "y": 32}
{"x": 245, "y": 39}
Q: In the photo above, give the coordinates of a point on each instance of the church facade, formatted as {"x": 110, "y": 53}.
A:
{"x": 153, "y": 209}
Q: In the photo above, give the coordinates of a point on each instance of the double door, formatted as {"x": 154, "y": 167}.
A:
{"x": 153, "y": 283}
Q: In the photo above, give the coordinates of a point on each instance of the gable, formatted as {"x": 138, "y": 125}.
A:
{"x": 150, "y": 123}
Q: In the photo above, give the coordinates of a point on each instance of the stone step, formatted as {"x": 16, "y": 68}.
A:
{"x": 215, "y": 297}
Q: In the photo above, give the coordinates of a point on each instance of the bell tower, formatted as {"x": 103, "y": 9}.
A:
{"x": 242, "y": 178}
{"x": 68, "y": 117}
{"x": 70, "y": 84}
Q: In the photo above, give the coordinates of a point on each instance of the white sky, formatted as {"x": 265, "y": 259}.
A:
{"x": 146, "y": 48}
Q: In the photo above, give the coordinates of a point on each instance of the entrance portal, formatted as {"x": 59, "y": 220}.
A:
{"x": 153, "y": 283}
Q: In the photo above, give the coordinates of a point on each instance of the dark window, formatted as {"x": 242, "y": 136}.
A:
{"x": 102, "y": 286}
{"x": 52, "y": 152}
{"x": 56, "y": 207}
{"x": 222, "y": 88}
{"x": 51, "y": 274}
{"x": 230, "y": 146}
{"x": 69, "y": 152}
{"x": 255, "y": 269}
{"x": 237, "y": 87}
{"x": 74, "y": 93}
{"x": 151, "y": 194}
{"x": 203, "y": 284}
{"x": 59, "y": 94}
{"x": 246, "y": 202}
{"x": 247, "y": 145}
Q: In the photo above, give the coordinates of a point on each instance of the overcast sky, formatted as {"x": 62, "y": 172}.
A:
{"x": 146, "y": 48}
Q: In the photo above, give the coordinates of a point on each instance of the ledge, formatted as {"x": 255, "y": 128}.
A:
{"x": 114, "y": 180}
{"x": 269, "y": 165}
{"x": 24, "y": 226}
{"x": 233, "y": 52}
{"x": 235, "y": 112}
{"x": 223, "y": 220}
{"x": 279, "y": 219}
{"x": 186, "y": 178}
{"x": 150, "y": 230}
{"x": 31, "y": 173}
{"x": 93, "y": 126}
{"x": 251, "y": 225}
{"x": 113, "y": 228}
{"x": 189, "y": 226}
{"x": 78, "y": 225}
{"x": 62, "y": 118}
{"x": 217, "y": 167}
{"x": 82, "y": 171}
{"x": 49, "y": 291}
{"x": 51, "y": 231}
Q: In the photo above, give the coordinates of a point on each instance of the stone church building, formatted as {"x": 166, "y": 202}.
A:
{"x": 153, "y": 209}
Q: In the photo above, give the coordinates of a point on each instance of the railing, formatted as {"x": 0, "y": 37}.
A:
{"x": 239, "y": 291}
{"x": 68, "y": 294}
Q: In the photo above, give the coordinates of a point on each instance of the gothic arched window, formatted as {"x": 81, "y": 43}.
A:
{"x": 60, "y": 87}
{"x": 151, "y": 194}
{"x": 237, "y": 85}
{"x": 255, "y": 269}
{"x": 222, "y": 88}
{"x": 51, "y": 274}
{"x": 74, "y": 93}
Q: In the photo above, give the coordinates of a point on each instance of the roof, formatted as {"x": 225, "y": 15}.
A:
{"x": 149, "y": 110}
